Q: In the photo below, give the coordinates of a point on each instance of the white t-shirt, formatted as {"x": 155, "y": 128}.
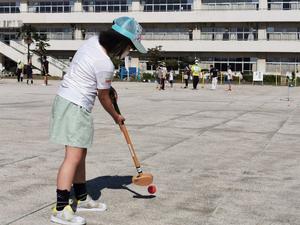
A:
{"x": 229, "y": 74}
{"x": 162, "y": 72}
{"x": 90, "y": 69}
{"x": 171, "y": 77}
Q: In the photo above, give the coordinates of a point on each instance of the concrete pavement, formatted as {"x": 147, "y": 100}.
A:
{"x": 218, "y": 158}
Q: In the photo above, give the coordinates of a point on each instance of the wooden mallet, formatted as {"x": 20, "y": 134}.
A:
{"x": 141, "y": 179}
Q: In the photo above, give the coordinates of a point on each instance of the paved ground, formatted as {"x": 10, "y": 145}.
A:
{"x": 218, "y": 158}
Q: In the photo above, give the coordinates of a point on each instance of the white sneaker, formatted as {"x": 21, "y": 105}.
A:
{"x": 90, "y": 205}
{"x": 66, "y": 216}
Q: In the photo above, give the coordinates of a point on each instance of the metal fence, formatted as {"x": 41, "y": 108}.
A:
{"x": 167, "y": 7}
{"x": 57, "y": 35}
{"x": 231, "y": 6}
{"x": 287, "y": 36}
{"x": 50, "y": 8}
{"x": 282, "y": 67}
{"x": 105, "y": 8}
{"x": 229, "y": 36}
{"x": 166, "y": 36}
{"x": 284, "y": 5}
{"x": 9, "y": 9}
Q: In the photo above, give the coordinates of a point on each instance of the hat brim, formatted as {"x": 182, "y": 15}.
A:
{"x": 138, "y": 45}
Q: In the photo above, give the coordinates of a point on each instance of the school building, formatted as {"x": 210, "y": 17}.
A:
{"x": 249, "y": 35}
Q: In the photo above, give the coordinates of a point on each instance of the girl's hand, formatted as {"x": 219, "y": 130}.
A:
{"x": 119, "y": 119}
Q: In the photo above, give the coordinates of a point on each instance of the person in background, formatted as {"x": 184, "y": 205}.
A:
{"x": 186, "y": 76}
{"x": 29, "y": 72}
{"x": 171, "y": 77}
{"x": 229, "y": 77}
{"x": 20, "y": 70}
{"x": 196, "y": 70}
{"x": 162, "y": 73}
{"x": 214, "y": 77}
{"x": 157, "y": 77}
{"x": 45, "y": 70}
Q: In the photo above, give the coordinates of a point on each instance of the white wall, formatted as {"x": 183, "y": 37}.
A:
{"x": 200, "y": 46}
{"x": 204, "y": 16}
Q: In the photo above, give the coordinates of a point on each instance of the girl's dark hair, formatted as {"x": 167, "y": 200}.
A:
{"x": 114, "y": 42}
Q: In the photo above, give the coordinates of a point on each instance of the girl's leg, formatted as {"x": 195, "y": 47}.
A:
{"x": 79, "y": 182}
{"x": 66, "y": 174}
{"x": 80, "y": 172}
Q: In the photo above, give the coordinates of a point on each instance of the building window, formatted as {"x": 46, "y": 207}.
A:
{"x": 238, "y": 64}
{"x": 55, "y": 33}
{"x": 7, "y": 34}
{"x": 166, "y": 32}
{"x": 229, "y": 34}
{"x": 283, "y": 4}
{"x": 105, "y": 6}
{"x": 9, "y": 7}
{"x": 283, "y": 33}
{"x": 54, "y": 6}
{"x": 230, "y": 4}
{"x": 167, "y": 5}
{"x": 282, "y": 65}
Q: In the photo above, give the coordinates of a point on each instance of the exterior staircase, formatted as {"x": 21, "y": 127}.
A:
{"x": 16, "y": 51}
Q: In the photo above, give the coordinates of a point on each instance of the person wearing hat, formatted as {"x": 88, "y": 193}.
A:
{"x": 186, "y": 76}
{"x": 162, "y": 74}
{"x": 214, "y": 77}
{"x": 20, "y": 70}
{"x": 196, "y": 70}
{"x": 89, "y": 76}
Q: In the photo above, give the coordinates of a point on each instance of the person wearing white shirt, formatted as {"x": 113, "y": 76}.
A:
{"x": 89, "y": 76}
{"x": 171, "y": 77}
{"x": 229, "y": 78}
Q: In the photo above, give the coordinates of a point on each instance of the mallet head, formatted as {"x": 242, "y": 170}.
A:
{"x": 143, "y": 179}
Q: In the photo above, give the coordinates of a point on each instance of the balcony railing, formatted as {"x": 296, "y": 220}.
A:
{"x": 230, "y": 36}
{"x": 209, "y": 36}
{"x": 287, "y": 36}
{"x": 57, "y": 35}
{"x": 9, "y": 9}
{"x": 167, "y": 7}
{"x": 50, "y": 8}
{"x": 105, "y": 8}
{"x": 284, "y": 5}
{"x": 282, "y": 67}
{"x": 231, "y": 6}
{"x": 166, "y": 36}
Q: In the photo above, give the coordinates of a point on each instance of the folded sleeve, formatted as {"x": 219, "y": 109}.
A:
{"x": 104, "y": 79}
{"x": 104, "y": 72}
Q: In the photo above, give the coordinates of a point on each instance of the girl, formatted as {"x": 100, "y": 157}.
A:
{"x": 90, "y": 75}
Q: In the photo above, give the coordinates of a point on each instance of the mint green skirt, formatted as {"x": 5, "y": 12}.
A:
{"x": 71, "y": 124}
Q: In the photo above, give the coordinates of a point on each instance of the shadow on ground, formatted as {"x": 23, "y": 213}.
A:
{"x": 95, "y": 186}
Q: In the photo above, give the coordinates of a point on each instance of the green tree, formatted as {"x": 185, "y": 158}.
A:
{"x": 29, "y": 35}
{"x": 41, "y": 46}
{"x": 172, "y": 63}
{"x": 154, "y": 55}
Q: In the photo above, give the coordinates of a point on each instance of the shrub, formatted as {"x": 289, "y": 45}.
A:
{"x": 147, "y": 76}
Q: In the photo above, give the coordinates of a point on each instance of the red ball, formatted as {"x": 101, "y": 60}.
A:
{"x": 151, "y": 189}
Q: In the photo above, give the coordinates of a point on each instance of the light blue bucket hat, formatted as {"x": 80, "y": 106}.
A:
{"x": 131, "y": 29}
